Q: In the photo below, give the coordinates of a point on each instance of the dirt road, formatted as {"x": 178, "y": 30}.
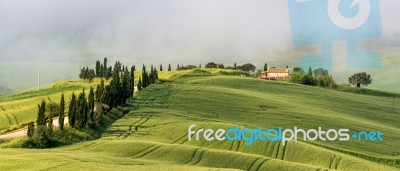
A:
{"x": 22, "y": 132}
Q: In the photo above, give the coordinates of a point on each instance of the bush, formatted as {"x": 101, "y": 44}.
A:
{"x": 307, "y": 79}
{"x": 41, "y": 137}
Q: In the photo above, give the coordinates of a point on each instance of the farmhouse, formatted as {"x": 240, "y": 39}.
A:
{"x": 276, "y": 73}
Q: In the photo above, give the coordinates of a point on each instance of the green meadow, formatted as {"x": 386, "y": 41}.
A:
{"x": 152, "y": 135}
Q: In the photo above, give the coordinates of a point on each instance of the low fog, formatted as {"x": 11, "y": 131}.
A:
{"x": 61, "y": 36}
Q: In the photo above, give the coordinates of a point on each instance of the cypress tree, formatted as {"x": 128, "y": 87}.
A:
{"x": 160, "y": 67}
{"x": 169, "y": 67}
{"x": 91, "y": 106}
{"x": 81, "y": 110}
{"x": 31, "y": 129}
{"x": 134, "y": 69}
{"x": 132, "y": 81}
{"x": 265, "y": 67}
{"x": 61, "y": 114}
{"x": 139, "y": 86}
{"x": 105, "y": 72}
{"x": 97, "y": 68}
{"x": 234, "y": 66}
{"x": 309, "y": 71}
{"x": 41, "y": 118}
{"x": 200, "y": 66}
{"x": 72, "y": 111}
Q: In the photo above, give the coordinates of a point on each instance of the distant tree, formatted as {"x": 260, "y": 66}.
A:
{"x": 248, "y": 67}
{"x": 265, "y": 67}
{"x": 200, "y": 66}
{"x": 310, "y": 71}
{"x": 98, "y": 69}
{"x": 169, "y": 67}
{"x": 134, "y": 68}
{"x": 211, "y": 65}
{"x": 177, "y": 68}
{"x": 360, "y": 79}
{"x": 161, "y": 67}
{"x": 61, "y": 114}
{"x": 297, "y": 69}
{"x": 234, "y": 65}
{"x": 320, "y": 71}
{"x": 72, "y": 110}
{"x": 105, "y": 72}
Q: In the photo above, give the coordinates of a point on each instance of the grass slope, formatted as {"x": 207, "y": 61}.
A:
{"x": 153, "y": 135}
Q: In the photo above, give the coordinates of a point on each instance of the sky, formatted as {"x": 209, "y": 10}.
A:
{"x": 76, "y": 33}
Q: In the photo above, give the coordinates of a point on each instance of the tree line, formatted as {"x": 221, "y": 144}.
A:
{"x": 245, "y": 67}
{"x": 85, "y": 110}
{"x": 318, "y": 77}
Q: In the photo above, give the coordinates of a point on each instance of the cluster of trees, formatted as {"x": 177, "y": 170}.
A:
{"x": 148, "y": 78}
{"x": 245, "y": 67}
{"x": 318, "y": 77}
{"x": 85, "y": 111}
{"x": 44, "y": 131}
{"x": 188, "y": 67}
{"x": 87, "y": 73}
{"x": 101, "y": 71}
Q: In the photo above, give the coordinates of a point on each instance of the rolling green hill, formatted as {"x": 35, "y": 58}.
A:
{"x": 153, "y": 135}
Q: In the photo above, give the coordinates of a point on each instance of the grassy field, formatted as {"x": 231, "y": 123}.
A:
{"x": 153, "y": 135}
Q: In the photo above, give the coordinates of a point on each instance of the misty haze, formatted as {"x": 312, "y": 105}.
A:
{"x": 60, "y": 37}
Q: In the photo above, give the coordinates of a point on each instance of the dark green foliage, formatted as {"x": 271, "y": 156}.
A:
{"x": 87, "y": 73}
{"x": 41, "y": 118}
{"x": 50, "y": 126}
{"x": 61, "y": 114}
{"x": 41, "y": 137}
{"x": 307, "y": 79}
{"x": 248, "y": 67}
{"x": 200, "y": 66}
{"x": 320, "y": 71}
{"x": 100, "y": 92}
{"x": 81, "y": 110}
{"x": 132, "y": 82}
{"x": 72, "y": 111}
{"x": 234, "y": 65}
{"x": 296, "y": 69}
{"x": 105, "y": 71}
{"x": 161, "y": 67}
{"x": 31, "y": 129}
{"x": 360, "y": 79}
{"x": 139, "y": 86}
{"x": 91, "y": 106}
{"x": 188, "y": 67}
{"x": 53, "y": 109}
{"x": 309, "y": 71}
{"x": 265, "y": 66}
{"x": 169, "y": 67}
{"x": 211, "y": 65}
{"x": 98, "y": 71}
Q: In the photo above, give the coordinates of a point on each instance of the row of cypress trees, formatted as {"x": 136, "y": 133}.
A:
{"x": 85, "y": 111}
